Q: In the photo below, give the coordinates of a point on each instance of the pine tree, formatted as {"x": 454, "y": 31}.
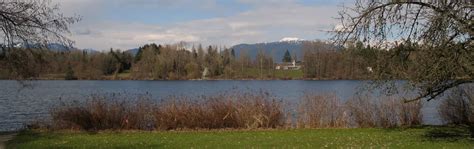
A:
{"x": 138, "y": 56}
{"x": 287, "y": 57}
{"x": 232, "y": 53}
{"x": 70, "y": 73}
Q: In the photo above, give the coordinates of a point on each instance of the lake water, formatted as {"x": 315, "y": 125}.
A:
{"x": 21, "y": 105}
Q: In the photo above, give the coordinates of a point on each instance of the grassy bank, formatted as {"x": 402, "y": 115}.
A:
{"x": 423, "y": 137}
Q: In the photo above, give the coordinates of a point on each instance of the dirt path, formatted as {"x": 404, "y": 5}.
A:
{"x": 4, "y": 138}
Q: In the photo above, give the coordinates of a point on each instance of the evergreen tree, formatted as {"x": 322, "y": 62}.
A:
{"x": 194, "y": 53}
{"x": 232, "y": 53}
{"x": 138, "y": 56}
{"x": 70, "y": 73}
{"x": 287, "y": 58}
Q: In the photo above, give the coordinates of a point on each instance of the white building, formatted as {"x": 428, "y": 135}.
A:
{"x": 288, "y": 66}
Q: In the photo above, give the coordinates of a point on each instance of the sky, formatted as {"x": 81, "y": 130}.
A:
{"x": 126, "y": 24}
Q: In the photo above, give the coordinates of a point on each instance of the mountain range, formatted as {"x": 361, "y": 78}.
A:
{"x": 56, "y": 47}
{"x": 276, "y": 49}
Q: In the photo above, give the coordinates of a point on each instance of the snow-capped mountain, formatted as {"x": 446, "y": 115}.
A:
{"x": 291, "y": 39}
{"x": 275, "y": 49}
{"x": 55, "y": 47}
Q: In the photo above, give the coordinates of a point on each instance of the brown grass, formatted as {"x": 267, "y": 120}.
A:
{"x": 458, "y": 107}
{"x": 384, "y": 112}
{"x": 104, "y": 112}
{"x": 237, "y": 110}
{"x": 321, "y": 111}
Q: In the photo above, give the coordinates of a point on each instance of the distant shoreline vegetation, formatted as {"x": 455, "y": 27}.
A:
{"x": 319, "y": 61}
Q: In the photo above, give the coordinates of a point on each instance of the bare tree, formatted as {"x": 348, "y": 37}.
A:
{"x": 438, "y": 35}
{"x": 31, "y": 22}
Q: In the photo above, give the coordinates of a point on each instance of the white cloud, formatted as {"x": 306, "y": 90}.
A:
{"x": 263, "y": 23}
{"x": 261, "y": 3}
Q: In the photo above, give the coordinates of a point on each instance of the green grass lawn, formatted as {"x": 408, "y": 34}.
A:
{"x": 427, "y": 137}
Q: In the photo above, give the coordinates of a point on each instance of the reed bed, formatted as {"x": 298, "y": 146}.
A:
{"x": 383, "y": 112}
{"x": 227, "y": 110}
{"x": 232, "y": 110}
{"x": 326, "y": 111}
{"x": 235, "y": 110}
{"x": 107, "y": 111}
{"x": 458, "y": 107}
{"x": 321, "y": 111}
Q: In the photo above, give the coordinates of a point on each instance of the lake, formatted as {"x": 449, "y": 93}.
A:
{"x": 20, "y": 105}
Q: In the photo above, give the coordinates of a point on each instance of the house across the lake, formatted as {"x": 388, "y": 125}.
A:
{"x": 289, "y": 66}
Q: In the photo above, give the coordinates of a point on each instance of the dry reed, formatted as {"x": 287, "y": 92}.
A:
{"x": 237, "y": 110}
{"x": 384, "y": 112}
{"x": 321, "y": 111}
{"x": 458, "y": 107}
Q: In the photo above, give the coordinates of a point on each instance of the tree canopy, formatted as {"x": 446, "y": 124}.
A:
{"x": 287, "y": 57}
{"x": 31, "y": 22}
{"x": 433, "y": 39}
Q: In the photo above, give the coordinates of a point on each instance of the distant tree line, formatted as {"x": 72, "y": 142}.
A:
{"x": 321, "y": 60}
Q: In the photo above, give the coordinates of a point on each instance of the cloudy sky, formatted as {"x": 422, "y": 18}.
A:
{"x": 129, "y": 24}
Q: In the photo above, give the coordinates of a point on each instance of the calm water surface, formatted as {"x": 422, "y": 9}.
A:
{"x": 20, "y": 105}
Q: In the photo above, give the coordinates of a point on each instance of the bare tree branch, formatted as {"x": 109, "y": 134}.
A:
{"x": 31, "y": 23}
{"x": 434, "y": 40}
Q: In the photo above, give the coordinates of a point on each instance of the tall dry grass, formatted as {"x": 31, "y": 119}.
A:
{"x": 228, "y": 110}
{"x": 383, "y": 112}
{"x": 234, "y": 110}
{"x": 99, "y": 112}
{"x": 321, "y": 111}
{"x": 458, "y": 107}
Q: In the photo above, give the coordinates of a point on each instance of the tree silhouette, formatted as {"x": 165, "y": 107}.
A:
{"x": 287, "y": 57}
